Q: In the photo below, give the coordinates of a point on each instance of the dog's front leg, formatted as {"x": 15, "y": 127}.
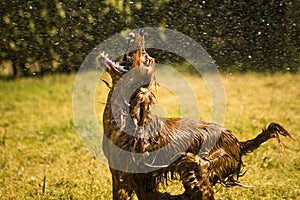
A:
{"x": 122, "y": 188}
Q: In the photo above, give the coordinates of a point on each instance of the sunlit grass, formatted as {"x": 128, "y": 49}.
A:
{"x": 42, "y": 157}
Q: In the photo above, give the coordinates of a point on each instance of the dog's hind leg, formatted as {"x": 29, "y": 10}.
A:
{"x": 194, "y": 175}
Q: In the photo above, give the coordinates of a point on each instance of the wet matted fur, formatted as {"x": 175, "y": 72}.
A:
{"x": 203, "y": 154}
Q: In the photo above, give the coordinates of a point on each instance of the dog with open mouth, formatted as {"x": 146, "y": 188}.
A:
{"x": 201, "y": 153}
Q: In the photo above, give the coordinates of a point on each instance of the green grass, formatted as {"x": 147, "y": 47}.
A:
{"x": 42, "y": 157}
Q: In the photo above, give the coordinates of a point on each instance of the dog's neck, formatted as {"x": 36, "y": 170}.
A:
{"x": 130, "y": 111}
{"x": 140, "y": 106}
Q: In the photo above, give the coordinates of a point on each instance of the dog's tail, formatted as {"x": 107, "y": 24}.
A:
{"x": 274, "y": 130}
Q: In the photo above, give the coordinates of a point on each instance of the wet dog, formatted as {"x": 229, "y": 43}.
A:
{"x": 144, "y": 150}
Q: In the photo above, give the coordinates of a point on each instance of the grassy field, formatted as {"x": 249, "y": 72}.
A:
{"x": 42, "y": 156}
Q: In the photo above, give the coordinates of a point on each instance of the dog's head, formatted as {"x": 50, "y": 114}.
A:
{"x": 135, "y": 59}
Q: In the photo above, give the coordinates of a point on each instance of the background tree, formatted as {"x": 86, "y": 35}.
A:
{"x": 50, "y": 36}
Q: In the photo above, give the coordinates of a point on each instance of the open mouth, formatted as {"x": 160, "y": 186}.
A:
{"x": 114, "y": 66}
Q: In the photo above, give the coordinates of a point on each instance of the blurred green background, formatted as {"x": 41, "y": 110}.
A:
{"x": 42, "y": 36}
{"x": 41, "y": 154}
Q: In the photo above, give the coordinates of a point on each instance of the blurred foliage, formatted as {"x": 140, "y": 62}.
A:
{"x": 40, "y": 36}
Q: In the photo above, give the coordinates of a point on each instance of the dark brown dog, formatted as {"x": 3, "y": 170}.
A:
{"x": 143, "y": 149}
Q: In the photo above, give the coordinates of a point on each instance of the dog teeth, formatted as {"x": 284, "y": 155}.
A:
{"x": 103, "y": 55}
{"x": 122, "y": 68}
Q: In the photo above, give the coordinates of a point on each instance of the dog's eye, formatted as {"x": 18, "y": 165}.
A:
{"x": 147, "y": 61}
